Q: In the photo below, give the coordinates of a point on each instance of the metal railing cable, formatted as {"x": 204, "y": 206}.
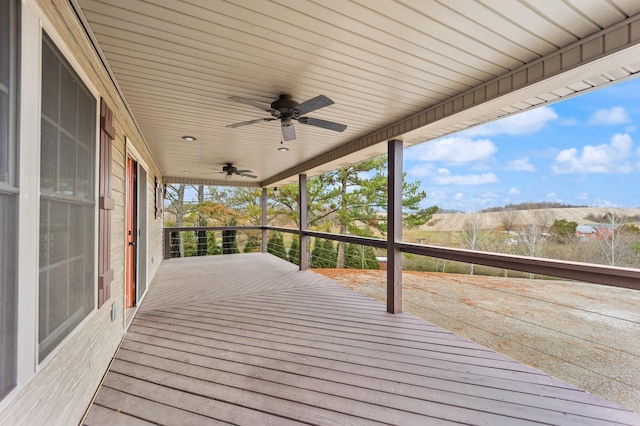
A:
{"x": 587, "y": 272}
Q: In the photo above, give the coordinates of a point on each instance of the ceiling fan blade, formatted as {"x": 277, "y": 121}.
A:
{"x": 323, "y": 123}
{"x": 243, "y": 171}
{"x": 227, "y": 176}
{"x": 245, "y": 123}
{"x": 253, "y": 104}
{"x": 306, "y": 107}
{"x": 248, "y": 175}
{"x": 288, "y": 132}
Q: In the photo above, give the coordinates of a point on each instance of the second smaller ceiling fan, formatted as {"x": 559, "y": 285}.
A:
{"x": 229, "y": 170}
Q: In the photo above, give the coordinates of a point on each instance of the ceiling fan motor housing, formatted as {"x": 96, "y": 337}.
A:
{"x": 284, "y": 106}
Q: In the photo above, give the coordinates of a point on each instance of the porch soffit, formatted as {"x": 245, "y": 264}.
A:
{"x": 410, "y": 69}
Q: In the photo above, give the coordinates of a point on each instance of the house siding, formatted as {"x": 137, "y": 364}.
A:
{"x": 59, "y": 390}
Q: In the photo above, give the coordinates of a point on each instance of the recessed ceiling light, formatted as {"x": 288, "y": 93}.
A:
{"x": 189, "y": 138}
{"x": 186, "y": 172}
{"x": 283, "y": 149}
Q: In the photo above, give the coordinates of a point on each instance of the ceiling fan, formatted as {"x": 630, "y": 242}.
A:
{"x": 286, "y": 109}
{"x": 229, "y": 170}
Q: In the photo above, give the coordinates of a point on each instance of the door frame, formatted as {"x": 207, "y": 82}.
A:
{"x": 131, "y": 230}
{"x": 142, "y": 214}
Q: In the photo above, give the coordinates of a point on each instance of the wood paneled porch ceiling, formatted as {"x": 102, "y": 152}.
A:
{"x": 408, "y": 69}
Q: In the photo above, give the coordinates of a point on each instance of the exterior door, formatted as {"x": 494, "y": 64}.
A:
{"x": 132, "y": 232}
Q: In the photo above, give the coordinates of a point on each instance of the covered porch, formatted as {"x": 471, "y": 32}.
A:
{"x": 199, "y": 92}
{"x": 250, "y": 339}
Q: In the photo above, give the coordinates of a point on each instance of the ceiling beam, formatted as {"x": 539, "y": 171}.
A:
{"x": 209, "y": 182}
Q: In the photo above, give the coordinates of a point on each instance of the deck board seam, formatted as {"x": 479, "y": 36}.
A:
{"x": 195, "y": 394}
{"x": 217, "y": 300}
{"x": 342, "y": 397}
{"x": 257, "y": 316}
{"x": 433, "y": 400}
{"x": 391, "y": 344}
{"x": 398, "y": 362}
{"x": 431, "y": 377}
{"x": 324, "y": 314}
{"x": 241, "y": 389}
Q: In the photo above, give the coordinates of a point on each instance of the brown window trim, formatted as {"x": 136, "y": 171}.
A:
{"x": 106, "y": 204}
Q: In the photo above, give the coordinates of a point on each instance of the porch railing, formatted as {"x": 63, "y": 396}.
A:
{"x": 587, "y": 272}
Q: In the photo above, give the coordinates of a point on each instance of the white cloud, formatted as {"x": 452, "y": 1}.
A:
{"x": 611, "y": 158}
{"x": 569, "y": 121}
{"x": 614, "y": 115}
{"x": 599, "y": 202}
{"x": 459, "y": 196}
{"x": 582, "y": 196}
{"x": 448, "y": 179}
{"x": 420, "y": 171}
{"x": 514, "y": 191}
{"x": 552, "y": 196}
{"x": 434, "y": 195}
{"x": 525, "y": 123}
{"x": 521, "y": 164}
{"x": 456, "y": 150}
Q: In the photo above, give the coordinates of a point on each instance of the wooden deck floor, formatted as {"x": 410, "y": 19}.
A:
{"x": 248, "y": 339}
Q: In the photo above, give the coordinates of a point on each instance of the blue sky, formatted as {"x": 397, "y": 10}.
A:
{"x": 583, "y": 151}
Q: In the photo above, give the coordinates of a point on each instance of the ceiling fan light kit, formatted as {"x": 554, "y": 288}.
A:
{"x": 286, "y": 109}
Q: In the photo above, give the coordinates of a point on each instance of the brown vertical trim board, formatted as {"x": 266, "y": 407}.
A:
{"x": 106, "y": 204}
{"x": 304, "y": 222}
{"x": 394, "y": 228}
{"x": 159, "y": 198}
{"x": 263, "y": 203}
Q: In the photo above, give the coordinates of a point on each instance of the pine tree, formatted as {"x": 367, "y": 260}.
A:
{"x": 356, "y": 196}
{"x": 212, "y": 245}
{"x": 324, "y": 254}
{"x": 229, "y": 241}
{"x": 360, "y": 257}
{"x": 275, "y": 246}
{"x": 294, "y": 251}
{"x": 252, "y": 245}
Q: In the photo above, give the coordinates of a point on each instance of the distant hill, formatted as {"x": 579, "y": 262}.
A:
{"x": 493, "y": 220}
{"x": 531, "y": 206}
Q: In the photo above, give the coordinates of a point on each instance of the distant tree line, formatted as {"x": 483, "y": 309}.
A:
{"x": 616, "y": 242}
{"x": 604, "y": 218}
{"x": 530, "y": 206}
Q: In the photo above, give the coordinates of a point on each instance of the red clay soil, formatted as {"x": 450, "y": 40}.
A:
{"x": 584, "y": 334}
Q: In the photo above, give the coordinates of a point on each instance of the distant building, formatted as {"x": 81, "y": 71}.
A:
{"x": 597, "y": 230}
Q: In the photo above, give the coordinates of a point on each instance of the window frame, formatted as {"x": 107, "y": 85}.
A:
{"x": 9, "y": 187}
{"x": 72, "y": 65}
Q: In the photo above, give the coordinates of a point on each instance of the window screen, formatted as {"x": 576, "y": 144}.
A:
{"x": 8, "y": 195}
{"x": 67, "y": 200}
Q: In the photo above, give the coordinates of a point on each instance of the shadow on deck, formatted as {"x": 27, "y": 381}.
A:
{"x": 249, "y": 339}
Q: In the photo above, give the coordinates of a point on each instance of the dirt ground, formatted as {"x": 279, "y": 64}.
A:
{"x": 587, "y": 335}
